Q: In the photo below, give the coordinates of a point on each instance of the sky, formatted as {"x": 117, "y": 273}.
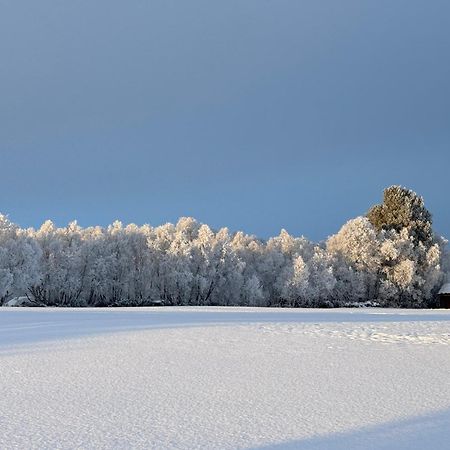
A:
{"x": 252, "y": 114}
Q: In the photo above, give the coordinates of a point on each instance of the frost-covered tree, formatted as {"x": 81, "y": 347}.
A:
{"x": 395, "y": 268}
{"x": 403, "y": 208}
{"x": 322, "y": 278}
{"x": 411, "y": 271}
{"x": 250, "y": 252}
{"x": 19, "y": 260}
{"x": 410, "y": 251}
{"x": 392, "y": 256}
{"x": 356, "y": 249}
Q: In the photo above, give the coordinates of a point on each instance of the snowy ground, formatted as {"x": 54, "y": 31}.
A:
{"x": 224, "y": 378}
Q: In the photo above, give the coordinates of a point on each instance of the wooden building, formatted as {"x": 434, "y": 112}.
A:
{"x": 444, "y": 296}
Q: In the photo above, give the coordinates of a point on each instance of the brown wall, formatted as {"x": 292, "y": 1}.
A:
{"x": 444, "y": 300}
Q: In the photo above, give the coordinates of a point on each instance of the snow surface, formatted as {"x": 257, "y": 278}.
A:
{"x": 224, "y": 378}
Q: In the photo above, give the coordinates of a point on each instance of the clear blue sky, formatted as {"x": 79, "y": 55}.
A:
{"x": 251, "y": 114}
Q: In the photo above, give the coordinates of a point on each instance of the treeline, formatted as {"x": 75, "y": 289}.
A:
{"x": 389, "y": 257}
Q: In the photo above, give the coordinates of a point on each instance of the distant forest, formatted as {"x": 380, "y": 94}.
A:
{"x": 389, "y": 257}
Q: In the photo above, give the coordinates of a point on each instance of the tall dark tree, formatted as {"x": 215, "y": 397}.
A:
{"x": 403, "y": 208}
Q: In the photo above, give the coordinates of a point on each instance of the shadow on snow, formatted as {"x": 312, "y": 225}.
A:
{"x": 417, "y": 433}
{"x": 30, "y": 325}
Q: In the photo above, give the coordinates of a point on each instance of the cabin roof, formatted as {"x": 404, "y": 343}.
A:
{"x": 445, "y": 289}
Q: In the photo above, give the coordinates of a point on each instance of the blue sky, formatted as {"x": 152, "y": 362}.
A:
{"x": 255, "y": 114}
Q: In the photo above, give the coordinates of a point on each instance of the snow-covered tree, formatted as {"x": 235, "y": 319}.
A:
{"x": 403, "y": 208}
{"x": 19, "y": 260}
{"x": 357, "y": 247}
{"x": 392, "y": 256}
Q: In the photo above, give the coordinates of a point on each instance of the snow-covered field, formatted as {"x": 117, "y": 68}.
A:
{"x": 224, "y": 378}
